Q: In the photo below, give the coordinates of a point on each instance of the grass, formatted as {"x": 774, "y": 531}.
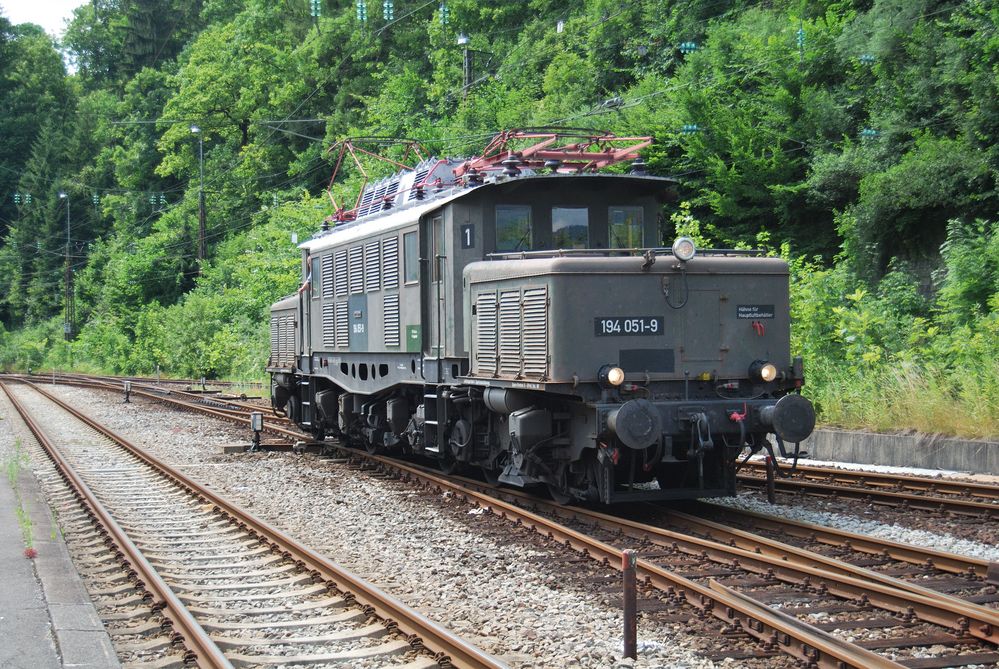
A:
{"x": 13, "y": 466}
{"x": 911, "y": 398}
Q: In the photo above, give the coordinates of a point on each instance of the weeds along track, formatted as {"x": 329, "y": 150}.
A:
{"x": 231, "y": 590}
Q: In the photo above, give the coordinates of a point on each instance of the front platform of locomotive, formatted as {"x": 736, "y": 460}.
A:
{"x": 663, "y": 365}
{"x": 619, "y": 370}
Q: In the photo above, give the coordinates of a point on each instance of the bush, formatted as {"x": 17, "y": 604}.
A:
{"x": 886, "y": 357}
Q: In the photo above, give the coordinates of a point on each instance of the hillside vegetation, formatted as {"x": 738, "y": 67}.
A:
{"x": 856, "y": 138}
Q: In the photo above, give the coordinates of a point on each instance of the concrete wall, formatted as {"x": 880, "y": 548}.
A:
{"x": 919, "y": 450}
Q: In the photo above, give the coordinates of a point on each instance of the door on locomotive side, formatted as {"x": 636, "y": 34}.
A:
{"x": 434, "y": 287}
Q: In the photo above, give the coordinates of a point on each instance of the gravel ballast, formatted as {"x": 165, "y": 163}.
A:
{"x": 502, "y": 588}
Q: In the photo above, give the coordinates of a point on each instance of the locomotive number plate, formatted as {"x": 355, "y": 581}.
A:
{"x": 628, "y": 326}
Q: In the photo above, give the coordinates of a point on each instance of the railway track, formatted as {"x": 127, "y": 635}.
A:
{"x": 973, "y": 579}
{"x": 952, "y": 496}
{"x": 911, "y": 493}
{"x": 941, "y": 487}
{"x": 781, "y": 600}
{"x": 233, "y": 590}
{"x": 896, "y": 617}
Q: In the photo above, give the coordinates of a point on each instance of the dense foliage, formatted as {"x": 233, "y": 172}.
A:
{"x": 858, "y": 136}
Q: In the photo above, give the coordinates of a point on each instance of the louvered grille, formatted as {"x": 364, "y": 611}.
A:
{"x": 365, "y": 205}
{"x": 288, "y": 341}
{"x": 390, "y": 263}
{"x": 356, "y": 263}
{"x": 375, "y": 203}
{"x": 418, "y": 180}
{"x": 372, "y": 267}
{"x": 329, "y": 325}
{"x": 327, "y": 276}
{"x": 393, "y": 188}
{"x": 275, "y": 340}
{"x": 509, "y": 332}
{"x": 535, "y": 332}
{"x": 485, "y": 345}
{"x": 341, "y": 273}
{"x": 342, "y": 325}
{"x": 391, "y": 319}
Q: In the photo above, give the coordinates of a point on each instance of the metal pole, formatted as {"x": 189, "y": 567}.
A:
{"x": 201, "y": 202}
{"x": 771, "y": 492}
{"x": 468, "y": 66}
{"x": 67, "y": 328}
{"x": 67, "y": 325}
{"x": 628, "y": 562}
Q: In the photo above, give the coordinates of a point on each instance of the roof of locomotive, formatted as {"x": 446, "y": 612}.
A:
{"x": 406, "y": 215}
{"x": 613, "y": 262}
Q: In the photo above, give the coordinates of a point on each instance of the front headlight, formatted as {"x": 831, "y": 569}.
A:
{"x": 684, "y": 249}
{"x": 762, "y": 370}
{"x": 610, "y": 376}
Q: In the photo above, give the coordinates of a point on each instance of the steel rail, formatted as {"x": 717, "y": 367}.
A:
{"x": 881, "y": 480}
{"x": 790, "y": 564}
{"x": 199, "y": 644}
{"x": 753, "y": 543}
{"x": 899, "y": 499}
{"x": 759, "y": 621}
{"x": 930, "y": 609}
{"x": 947, "y": 562}
{"x": 447, "y": 646}
{"x": 724, "y": 538}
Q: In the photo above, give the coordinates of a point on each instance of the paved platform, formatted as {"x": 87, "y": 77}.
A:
{"x": 46, "y": 616}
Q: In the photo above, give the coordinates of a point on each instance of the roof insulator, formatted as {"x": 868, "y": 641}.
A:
{"x": 511, "y": 166}
{"x": 638, "y": 168}
{"x": 553, "y": 164}
{"x": 473, "y": 178}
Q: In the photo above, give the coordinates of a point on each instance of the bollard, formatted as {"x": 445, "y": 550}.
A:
{"x": 771, "y": 474}
{"x": 128, "y": 391}
{"x": 628, "y": 562}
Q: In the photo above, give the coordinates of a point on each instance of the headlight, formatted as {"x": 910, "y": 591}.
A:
{"x": 684, "y": 249}
{"x": 763, "y": 371}
{"x": 610, "y": 376}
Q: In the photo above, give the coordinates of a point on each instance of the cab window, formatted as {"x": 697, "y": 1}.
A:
{"x": 626, "y": 228}
{"x": 570, "y": 228}
{"x": 513, "y": 228}
{"x": 411, "y": 257}
{"x": 316, "y": 278}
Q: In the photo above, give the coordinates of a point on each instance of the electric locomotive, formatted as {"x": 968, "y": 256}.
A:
{"x": 517, "y": 313}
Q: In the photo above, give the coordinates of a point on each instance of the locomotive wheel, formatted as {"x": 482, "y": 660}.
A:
{"x": 447, "y": 464}
{"x": 560, "y": 491}
{"x": 492, "y": 474}
{"x": 291, "y": 409}
{"x": 319, "y": 434}
{"x": 372, "y": 448}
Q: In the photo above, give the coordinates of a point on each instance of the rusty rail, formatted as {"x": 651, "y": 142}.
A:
{"x": 448, "y": 647}
{"x": 201, "y": 648}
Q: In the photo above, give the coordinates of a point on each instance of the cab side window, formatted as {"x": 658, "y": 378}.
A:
{"x": 411, "y": 257}
{"x": 570, "y": 228}
{"x": 626, "y": 228}
{"x": 513, "y": 228}
{"x": 316, "y": 278}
